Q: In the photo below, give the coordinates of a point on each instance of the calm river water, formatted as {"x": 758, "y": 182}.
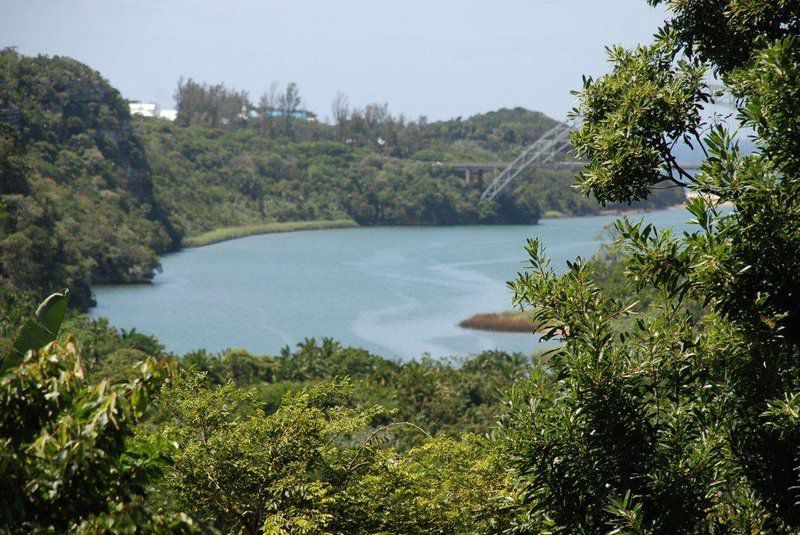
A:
{"x": 397, "y": 291}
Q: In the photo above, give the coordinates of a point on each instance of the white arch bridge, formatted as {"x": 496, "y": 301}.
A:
{"x": 544, "y": 152}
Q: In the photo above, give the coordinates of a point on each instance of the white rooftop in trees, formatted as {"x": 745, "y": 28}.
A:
{"x": 168, "y": 114}
{"x": 145, "y": 109}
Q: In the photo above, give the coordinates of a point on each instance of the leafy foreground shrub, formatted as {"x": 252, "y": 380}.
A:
{"x": 86, "y": 458}
{"x": 681, "y": 423}
{"x": 316, "y": 465}
{"x": 64, "y": 465}
{"x": 446, "y": 397}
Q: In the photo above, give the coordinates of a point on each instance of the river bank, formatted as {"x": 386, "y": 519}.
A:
{"x": 232, "y": 233}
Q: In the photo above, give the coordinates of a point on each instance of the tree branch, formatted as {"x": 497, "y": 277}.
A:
{"x": 375, "y": 433}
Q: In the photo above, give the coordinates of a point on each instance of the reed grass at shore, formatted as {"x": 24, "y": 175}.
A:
{"x": 232, "y": 233}
{"x": 511, "y": 322}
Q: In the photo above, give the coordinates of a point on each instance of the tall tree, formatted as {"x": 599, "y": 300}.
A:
{"x": 289, "y": 103}
{"x": 211, "y": 105}
{"x": 670, "y": 423}
{"x": 340, "y": 111}
{"x": 267, "y": 105}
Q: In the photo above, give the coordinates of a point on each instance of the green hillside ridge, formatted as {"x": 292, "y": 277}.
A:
{"x": 76, "y": 185}
{"x": 91, "y": 195}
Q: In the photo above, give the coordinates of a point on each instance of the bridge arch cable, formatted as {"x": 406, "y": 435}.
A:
{"x": 542, "y": 151}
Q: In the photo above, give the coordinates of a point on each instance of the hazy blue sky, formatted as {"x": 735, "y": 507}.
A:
{"x": 440, "y": 58}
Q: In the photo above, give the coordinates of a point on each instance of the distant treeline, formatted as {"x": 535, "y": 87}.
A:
{"x": 280, "y": 113}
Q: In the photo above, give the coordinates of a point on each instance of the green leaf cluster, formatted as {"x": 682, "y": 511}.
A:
{"x": 64, "y": 460}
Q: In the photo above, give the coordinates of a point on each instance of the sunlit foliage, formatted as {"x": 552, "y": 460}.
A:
{"x": 681, "y": 422}
{"x": 65, "y": 464}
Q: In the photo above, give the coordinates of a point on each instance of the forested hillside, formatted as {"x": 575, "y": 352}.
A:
{"x": 245, "y": 168}
{"x": 208, "y": 178}
{"x": 91, "y": 195}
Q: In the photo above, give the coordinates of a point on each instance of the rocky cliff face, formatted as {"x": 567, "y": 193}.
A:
{"x": 77, "y": 155}
{"x": 63, "y": 102}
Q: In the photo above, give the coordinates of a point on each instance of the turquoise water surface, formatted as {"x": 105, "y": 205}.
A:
{"x": 397, "y": 291}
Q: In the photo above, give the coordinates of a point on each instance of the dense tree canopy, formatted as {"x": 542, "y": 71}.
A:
{"x": 64, "y": 464}
{"x": 678, "y": 422}
{"x": 74, "y": 180}
{"x": 243, "y": 443}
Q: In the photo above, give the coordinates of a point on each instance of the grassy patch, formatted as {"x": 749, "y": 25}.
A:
{"x": 552, "y": 214}
{"x": 231, "y": 233}
{"x": 511, "y": 322}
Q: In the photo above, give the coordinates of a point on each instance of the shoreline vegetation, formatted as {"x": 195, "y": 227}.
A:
{"x": 555, "y": 214}
{"x": 232, "y": 233}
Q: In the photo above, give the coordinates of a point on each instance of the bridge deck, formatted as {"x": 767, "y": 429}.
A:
{"x": 462, "y": 167}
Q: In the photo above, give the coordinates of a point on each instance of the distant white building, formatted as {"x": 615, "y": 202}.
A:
{"x": 168, "y": 114}
{"x": 303, "y": 115}
{"x": 145, "y": 109}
